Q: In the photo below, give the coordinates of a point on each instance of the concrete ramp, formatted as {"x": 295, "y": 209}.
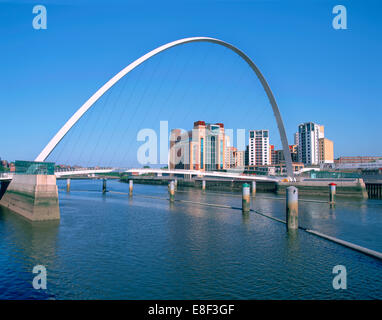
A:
{"x": 35, "y": 197}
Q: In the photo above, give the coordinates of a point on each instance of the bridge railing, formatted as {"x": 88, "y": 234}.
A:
{"x": 82, "y": 169}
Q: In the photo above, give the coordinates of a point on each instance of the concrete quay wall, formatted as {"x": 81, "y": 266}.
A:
{"x": 354, "y": 188}
{"x": 35, "y": 197}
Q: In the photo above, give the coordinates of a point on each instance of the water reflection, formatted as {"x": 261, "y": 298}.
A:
{"x": 27, "y": 244}
{"x": 245, "y": 218}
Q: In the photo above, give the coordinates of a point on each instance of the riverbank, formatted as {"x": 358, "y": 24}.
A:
{"x": 211, "y": 183}
{"x": 347, "y": 188}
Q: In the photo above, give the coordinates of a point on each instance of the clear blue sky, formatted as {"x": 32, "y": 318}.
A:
{"x": 317, "y": 74}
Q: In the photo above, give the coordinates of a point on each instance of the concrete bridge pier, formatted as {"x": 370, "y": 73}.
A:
{"x": 253, "y": 188}
{"x": 68, "y": 185}
{"x": 332, "y": 193}
{"x": 246, "y": 200}
{"x": 172, "y": 191}
{"x": 104, "y": 186}
{"x": 292, "y": 208}
{"x": 33, "y": 196}
{"x": 131, "y": 183}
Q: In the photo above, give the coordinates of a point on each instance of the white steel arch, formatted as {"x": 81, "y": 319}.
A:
{"x": 89, "y": 103}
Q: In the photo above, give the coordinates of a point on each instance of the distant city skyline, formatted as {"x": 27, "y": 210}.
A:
{"x": 317, "y": 74}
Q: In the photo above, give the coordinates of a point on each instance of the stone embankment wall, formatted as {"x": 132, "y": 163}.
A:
{"x": 354, "y": 188}
{"x": 35, "y": 197}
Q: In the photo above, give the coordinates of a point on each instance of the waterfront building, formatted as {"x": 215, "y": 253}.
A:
{"x": 309, "y": 134}
{"x": 294, "y": 152}
{"x": 326, "y": 151}
{"x": 296, "y": 142}
{"x": 230, "y": 156}
{"x": 259, "y": 150}
{"x": 279, "y": 155}
{"x": 240, "y": 156}
{"x": 227, "y": 151}
{"x": 246, "y": 156}
{"x": 202, "y": 148}
{"x": 273, "y": 153}
{"x": 296, "y": 138}
{"x": 234, "y": 158}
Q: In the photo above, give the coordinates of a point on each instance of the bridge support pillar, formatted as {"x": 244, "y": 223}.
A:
{"x": 172, "y": 191}
{"x": 103, "y": 185}
{"x": 131, "y": 187}
{"x": 35, "y": 197}
{"x": 246, "y": 200}
{"x": 332, "y": 193}
{"x": 292, "y": 208}
{"x": 68, "y": 185}
{"x": 253, "y": 188}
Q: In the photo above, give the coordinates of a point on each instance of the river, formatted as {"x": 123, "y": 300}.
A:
{"x": 115, "y": 247}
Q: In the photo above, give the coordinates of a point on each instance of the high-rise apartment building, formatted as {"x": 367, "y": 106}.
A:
{"x": 246, "y": 156}
{"x": 203, "y": 148}
{"x": 279, "y": 155}
{"x": 233, "y": 158}
{"x": 258, "y": 148}
{"x": 273, "y": 153}
{"x": 240, "y": 157}
{"x": 230, "y": 157}
{"x": 296, "y": 138}
{"x": 309, "y": 134}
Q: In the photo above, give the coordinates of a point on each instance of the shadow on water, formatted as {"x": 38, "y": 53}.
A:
{"x": 29, "y": 244}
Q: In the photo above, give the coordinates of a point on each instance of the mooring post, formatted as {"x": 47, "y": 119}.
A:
{"x": 292, "y": 207}
{"x": 332, "y": 193}
{"x": 172, "y": 191}
{"x": 68, "y": 185}
{"x": 130, "y": 187}
{"x": 246, "y": 200}
{"x": 253, "y": 188}
{"x": 203, "y": 184}
{"x": 104, "y": 186}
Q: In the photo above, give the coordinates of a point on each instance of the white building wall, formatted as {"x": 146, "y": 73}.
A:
{"x": 308, "y": 144}
{"x": 259, "y": 140}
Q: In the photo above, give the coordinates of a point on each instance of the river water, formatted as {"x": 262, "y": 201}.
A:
{"x": 115, "y": 247}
